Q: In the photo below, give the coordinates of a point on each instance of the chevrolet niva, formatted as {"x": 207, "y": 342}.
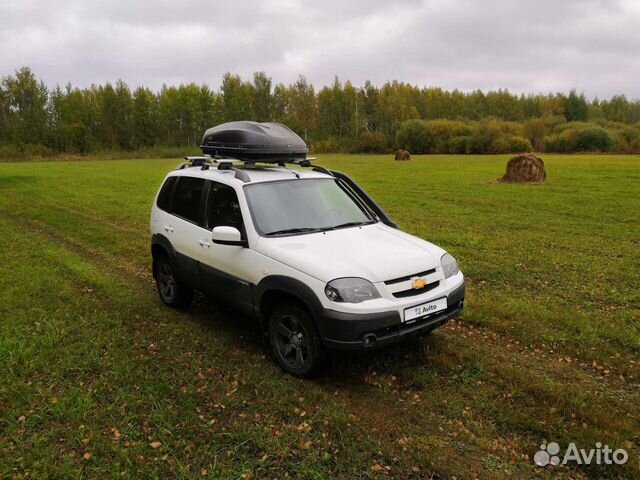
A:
{"x": 305, "y": 251}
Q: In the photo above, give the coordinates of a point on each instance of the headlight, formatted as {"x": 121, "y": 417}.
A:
{"x": 449, "y": 265}
{"x": 350, "y": 290}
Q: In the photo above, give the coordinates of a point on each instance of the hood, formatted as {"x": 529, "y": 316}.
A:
{"x": 375, "y": 252}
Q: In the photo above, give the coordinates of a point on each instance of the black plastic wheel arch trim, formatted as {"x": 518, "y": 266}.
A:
{"x": 162, "y": 241}
{"x": 288, "y": 286}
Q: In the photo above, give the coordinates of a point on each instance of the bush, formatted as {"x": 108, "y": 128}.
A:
{"x": 593, "y": 140}
{"x": 28, "y": 151}
{"x": 494, "y": 128}
{"x": 510, "y": 144}
{"x": 459, "y": 144}
{"x": 478, "y": 143}
{"x": 372, "y": 142}
{"x": 561, "y": 143}
{"x": 433, "y": 136}
{"x": 412, "y": 136}
{"x": 9, "y": 152}
{"x": 577, "y": 126}
{"x": 535, "y": 130}
{"x": 329, "y": 145}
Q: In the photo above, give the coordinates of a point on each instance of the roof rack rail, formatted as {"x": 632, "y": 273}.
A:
{"x": 240, "y": 174}
{"x": 200, "y": 161}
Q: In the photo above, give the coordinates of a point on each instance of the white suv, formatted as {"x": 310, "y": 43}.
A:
{"x": 307, "y": 253}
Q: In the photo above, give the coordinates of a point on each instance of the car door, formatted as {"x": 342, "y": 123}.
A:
{"x": 224, "y": 268}
{"x": 183, "y": 227}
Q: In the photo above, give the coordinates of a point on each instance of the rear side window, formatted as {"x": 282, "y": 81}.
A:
{"x": 223, "y": 208}
{"x": 164, "y": 197}
{"x": 186, "y": 199}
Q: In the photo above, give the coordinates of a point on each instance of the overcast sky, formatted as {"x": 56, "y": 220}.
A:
{"x": 525, "y": 46}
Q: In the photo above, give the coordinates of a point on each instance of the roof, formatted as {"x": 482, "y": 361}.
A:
{"x": 256, "y": 174}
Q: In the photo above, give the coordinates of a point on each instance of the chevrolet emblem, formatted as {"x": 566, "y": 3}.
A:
{"x": 419, "y": 283}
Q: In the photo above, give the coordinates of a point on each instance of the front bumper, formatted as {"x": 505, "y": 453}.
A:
{"x": 354, "y": 331}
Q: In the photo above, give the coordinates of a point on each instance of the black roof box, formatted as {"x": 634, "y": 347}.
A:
{"x": 254, "y": 142}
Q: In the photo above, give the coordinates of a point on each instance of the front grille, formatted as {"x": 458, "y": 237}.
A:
{"x": 409, "y": 277}
{"x": 416, "y": 291}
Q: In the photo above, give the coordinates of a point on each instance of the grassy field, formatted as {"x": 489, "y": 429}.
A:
{"x": 99, "y": 380}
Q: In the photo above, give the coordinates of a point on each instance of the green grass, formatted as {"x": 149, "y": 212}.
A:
{"x": 94, "y": 371}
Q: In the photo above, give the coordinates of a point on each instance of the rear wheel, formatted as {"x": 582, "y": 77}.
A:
{"x": 171, "y": 291}
{"x": 295, "y": 342}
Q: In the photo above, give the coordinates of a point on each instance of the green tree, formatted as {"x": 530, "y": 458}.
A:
{"x": 575, "y": 107}
{"x": 70, "y": 121}
{"x": 145, "y": 118}
{"x": 115, "y": 115}
{"x": 535, "y": 131}
{"x": 617, "y": 109}
{"x": 303, "y": 110}
{"x": 237, "y": 98}
{"x": 280, "y": 103}
{"x": 501, "y": 104}
{"x": 25, "y": 101}
{"x": 262, "y": 100}
{"x": 337, "y": 111}
{"x": 395, "y": 105}
{"x": 367, "y": 105}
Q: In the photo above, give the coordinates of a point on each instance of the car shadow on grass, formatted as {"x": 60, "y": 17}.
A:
{"x": 349, "y": 367}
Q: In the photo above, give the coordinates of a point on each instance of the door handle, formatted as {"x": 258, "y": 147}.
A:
{"x": 204, "y": 243}
{"x": 168, "y": 228}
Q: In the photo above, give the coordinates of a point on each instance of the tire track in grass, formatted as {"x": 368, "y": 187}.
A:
{"x": 367, "y": 401}
{"x": 487, "y": 397}
{"x": 91, "y": 217}
{"x": 171, "y": 385}
{"x": 80, "y": 248}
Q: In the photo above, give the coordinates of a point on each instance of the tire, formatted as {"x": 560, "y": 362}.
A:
{"x": 295, "y": 342}
{"x": 171, "y": 291}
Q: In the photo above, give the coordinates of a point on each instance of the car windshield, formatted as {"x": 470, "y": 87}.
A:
{"x": 303, "y": 206}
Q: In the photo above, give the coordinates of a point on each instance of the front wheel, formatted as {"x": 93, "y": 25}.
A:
{"x": 295, "y": 342}
{"x": 171, "y": 291}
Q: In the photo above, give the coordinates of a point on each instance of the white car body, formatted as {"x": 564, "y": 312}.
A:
{"x": 301, "y": 265}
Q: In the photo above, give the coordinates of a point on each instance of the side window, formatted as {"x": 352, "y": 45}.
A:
{"x": 164, "y": 197}
{"x": 223, "y": 209}
{"x": 186, "y": 199}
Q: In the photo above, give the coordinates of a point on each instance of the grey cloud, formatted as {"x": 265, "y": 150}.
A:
{"x": 525, "y": 46}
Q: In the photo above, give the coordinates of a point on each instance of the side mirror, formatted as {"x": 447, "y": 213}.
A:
{"x": 227, "y": 236}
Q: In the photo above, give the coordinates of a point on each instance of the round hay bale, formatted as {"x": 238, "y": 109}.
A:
{"x": 525, "y": 168}
{"x": 402, "y": 155}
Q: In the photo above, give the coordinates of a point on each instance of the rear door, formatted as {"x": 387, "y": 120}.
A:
{"x": 225, "y": 269}
{"x": 183, "y": 227}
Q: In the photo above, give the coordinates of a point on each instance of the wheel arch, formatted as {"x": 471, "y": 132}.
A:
{"x": 279, "y": 288}
{"x": 160, "y": 245}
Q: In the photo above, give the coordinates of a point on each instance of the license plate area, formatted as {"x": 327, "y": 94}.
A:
{"x": 424, "y": 310}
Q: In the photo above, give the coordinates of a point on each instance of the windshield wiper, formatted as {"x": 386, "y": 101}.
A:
{"x": 352, "y": 224}
{"x": 294, "y": 230}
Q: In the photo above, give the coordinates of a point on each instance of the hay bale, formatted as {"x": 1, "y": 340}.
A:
{"x": 402, "y": 155}
{"x": 525, "y": 168}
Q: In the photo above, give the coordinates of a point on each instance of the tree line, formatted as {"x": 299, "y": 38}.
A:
{"x": 341, "y": 117}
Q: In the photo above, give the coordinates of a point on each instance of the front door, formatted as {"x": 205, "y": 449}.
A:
{"x": 223, "y": 267}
